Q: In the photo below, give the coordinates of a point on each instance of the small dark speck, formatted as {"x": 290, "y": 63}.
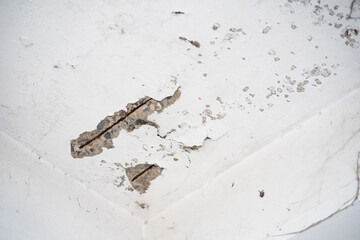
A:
{"x": 232, "y": 185}
{"x": 142, "y": 205}
{"x": 195, "y": 43}
{"x": 261, "y": 193}
{"x": 178, "y": 12}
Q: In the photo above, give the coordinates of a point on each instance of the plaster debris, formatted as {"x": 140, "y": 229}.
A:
{"x": 119, "y": 181}
{"x": 164, "y": 136}
{"x": 261, "y": 193}
{"x": 325, "y": 72}
{"x": 266, "y": 29}
{"x": 141, "y": 175}
{"x": 216, "y": 26}
{"x": 208, "y": 113}
{"x": 315, "y": 71}
{"x": 237, "y": 30}
{"x": 92, "y": 143}
{"x": 230, "y": 36}
{"x": 337, "y": 25}
{"x": 352, "y": 36}
{"x": 194, "y": 43}
{"x": 142, "y": 205}
{"x": 194, "y": 147}
{"x": 300, "y": 87}
{"x": 271, "y": 52}
{"x": 217, "y": 99}
{"x": 272, "y": 91}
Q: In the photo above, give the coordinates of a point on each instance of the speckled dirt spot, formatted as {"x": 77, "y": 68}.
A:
{"x": 216, "y": 26}
{"x": 266, "y": 29}
{"x": 194, "y": 43}
{"x": 351, "y": 34}
{"x": 178, "y": 12}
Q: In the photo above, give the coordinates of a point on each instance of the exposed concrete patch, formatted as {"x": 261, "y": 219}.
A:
{"x": 141, "y": 175}
{"x": 92, "y": 143}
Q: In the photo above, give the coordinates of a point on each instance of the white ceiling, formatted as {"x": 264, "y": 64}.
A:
{"x": 66, "y": 65}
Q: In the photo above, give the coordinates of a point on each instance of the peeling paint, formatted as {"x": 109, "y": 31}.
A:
{"x": 194, "y": 147}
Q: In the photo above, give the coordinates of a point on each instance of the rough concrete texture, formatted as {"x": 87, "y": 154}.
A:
{"x": 91, "y": 143}
{"x": 141, "y": 175}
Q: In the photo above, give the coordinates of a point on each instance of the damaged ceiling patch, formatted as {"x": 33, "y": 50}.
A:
{"x": 92, "y": 143}
{"x": 141, "y": 175}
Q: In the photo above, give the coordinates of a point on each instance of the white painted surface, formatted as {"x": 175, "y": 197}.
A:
{"x": 40, "y": 202}
{"x": 65, "y": 65}
{"x": 306, "y": 175}
{"x": 344, "y": 225}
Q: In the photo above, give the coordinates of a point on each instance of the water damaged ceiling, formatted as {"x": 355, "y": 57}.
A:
{"x": 243, "y": 112}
